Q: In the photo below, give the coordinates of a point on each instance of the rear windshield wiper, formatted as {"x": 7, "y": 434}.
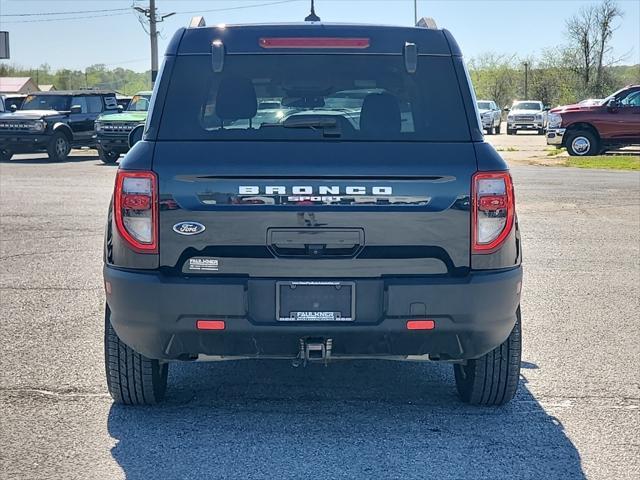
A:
{"x": 329, "y": 125}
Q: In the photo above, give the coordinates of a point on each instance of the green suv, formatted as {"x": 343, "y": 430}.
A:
{"x": 112, "y": 130}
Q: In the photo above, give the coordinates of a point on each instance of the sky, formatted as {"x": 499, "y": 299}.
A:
{"x": 116, "y": 38}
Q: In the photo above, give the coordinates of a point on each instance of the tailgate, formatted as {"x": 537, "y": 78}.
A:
{"x": 307, "y": 209}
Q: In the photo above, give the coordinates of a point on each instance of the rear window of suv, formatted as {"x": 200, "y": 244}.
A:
{"x": 314, "y": 97}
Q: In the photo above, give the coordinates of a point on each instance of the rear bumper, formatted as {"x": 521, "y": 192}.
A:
{"x": 156, "y": 315}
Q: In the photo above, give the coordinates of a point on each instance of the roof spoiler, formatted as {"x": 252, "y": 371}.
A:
{"x": 427, "y": 22}
{"x": 197, "y": 22}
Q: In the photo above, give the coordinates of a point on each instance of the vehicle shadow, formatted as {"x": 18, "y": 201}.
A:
{"x": 43, "y": 159}
{"x": 366, "y": 419}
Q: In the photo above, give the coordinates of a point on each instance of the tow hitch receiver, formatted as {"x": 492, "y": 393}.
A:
{"x": 313, "y": 350}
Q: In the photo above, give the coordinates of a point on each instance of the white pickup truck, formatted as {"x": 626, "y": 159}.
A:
{"x": 527, "y": 115}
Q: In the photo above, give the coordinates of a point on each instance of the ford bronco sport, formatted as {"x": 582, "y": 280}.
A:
{"x": 313, "y": 192}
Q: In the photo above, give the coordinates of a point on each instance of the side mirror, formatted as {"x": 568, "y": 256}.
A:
{"x": 76, "y": 109}
{"x": 506, "y": 109}
{"x": 135, "y": 135}
{"x": 13, "y": 107}
{"x": 120, "y": 109}
{"x": 613, "y": 104}
{"x": 546, "y": 109}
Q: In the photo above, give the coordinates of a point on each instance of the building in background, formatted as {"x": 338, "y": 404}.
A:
{"x": 17, "y": 85}
{"x": 47, "y": 88}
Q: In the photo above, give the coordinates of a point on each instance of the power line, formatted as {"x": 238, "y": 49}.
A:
{"x": 240, "y": 7}
{"x": 64, "y": 13}
{"x": 63, "y": 19}
{"x": 125, "y": 11}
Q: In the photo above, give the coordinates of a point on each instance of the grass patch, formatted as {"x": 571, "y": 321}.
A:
{"x": 615, "y": 162}
{"x": 554, "y": 152}
{"x": 508, "y": 149}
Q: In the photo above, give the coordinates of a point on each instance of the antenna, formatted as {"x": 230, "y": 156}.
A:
{"x": 312, "y": 17}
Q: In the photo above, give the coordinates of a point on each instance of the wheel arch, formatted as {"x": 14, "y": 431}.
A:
{"x": 64, "y": 128}
{"x": 581, "y": 126}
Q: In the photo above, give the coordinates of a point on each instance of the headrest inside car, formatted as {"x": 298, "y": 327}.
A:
{"x": 380, "y": 114}
{"x": 236, "y": 98}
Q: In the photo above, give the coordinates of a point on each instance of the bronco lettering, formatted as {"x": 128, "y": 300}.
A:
{"x": 309, "y": 190}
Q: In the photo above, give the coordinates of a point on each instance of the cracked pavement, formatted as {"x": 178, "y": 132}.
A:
{"x": 576, "y": 414}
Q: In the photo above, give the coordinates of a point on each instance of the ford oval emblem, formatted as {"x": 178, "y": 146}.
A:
{"x": 188, "y": 228}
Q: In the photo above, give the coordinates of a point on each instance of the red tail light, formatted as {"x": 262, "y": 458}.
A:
{"x": 135, "y": 209}
{"x": 210, "y": 325}
{"x": 314, "y": 42}
{"x": 421, "y": 325}
{"x": 493, "y": 210}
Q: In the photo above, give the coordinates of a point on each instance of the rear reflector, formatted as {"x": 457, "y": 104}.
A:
{"x": 421, "y": 325}
{"x": 210, "y": 325}
{"x": 492, "y": 203}
{"x": 136, "y": 202}
{"x": 314, "y": 42}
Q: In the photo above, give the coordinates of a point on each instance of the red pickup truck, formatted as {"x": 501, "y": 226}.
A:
{"x": 592, "y": 129}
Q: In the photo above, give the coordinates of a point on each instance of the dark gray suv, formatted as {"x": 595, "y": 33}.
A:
{"x": 313, "y": 192}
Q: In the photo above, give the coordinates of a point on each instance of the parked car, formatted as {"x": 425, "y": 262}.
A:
{"x": 490, "y": 116}
{"x": 593, "y": 129}
{"x": 527, "y": 115}
{"x": 112, "y": 129}
{"x": 313, "y": 238}
{"x": 53, "y": 122}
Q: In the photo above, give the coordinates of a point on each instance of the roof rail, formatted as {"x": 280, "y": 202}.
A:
{"x": 427, "y": 22}
{"x": 197, "y": 22}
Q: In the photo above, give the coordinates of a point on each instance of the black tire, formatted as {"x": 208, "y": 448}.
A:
{"x": 59, "y": 147}
{"x": 498, "y": 128}
{"x": 5, "y": 154}
{"x": 490, "y": 131}
{"x": 541, "y": 131}
{"x": 493, "y": 378}
{"x": 582, "y": 143}
{"x": 510, "y": 131}
{"x": 108, "y": 157}
{"x": 132, "y": 378}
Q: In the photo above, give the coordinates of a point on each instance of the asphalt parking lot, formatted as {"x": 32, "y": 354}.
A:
{"x": 576, "y": 415}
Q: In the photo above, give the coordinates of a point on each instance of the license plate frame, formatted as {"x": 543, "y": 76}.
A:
{"x": 326, "y": 309}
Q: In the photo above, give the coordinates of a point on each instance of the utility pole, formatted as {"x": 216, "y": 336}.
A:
{"x": 415, "y": 12}
{"x": 526, "y": 80}
{"x": 152, "y": 15}
{"x": 153, "y": 33}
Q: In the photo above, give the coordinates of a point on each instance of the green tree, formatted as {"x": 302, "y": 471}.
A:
{"x": 494, "y": 77}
